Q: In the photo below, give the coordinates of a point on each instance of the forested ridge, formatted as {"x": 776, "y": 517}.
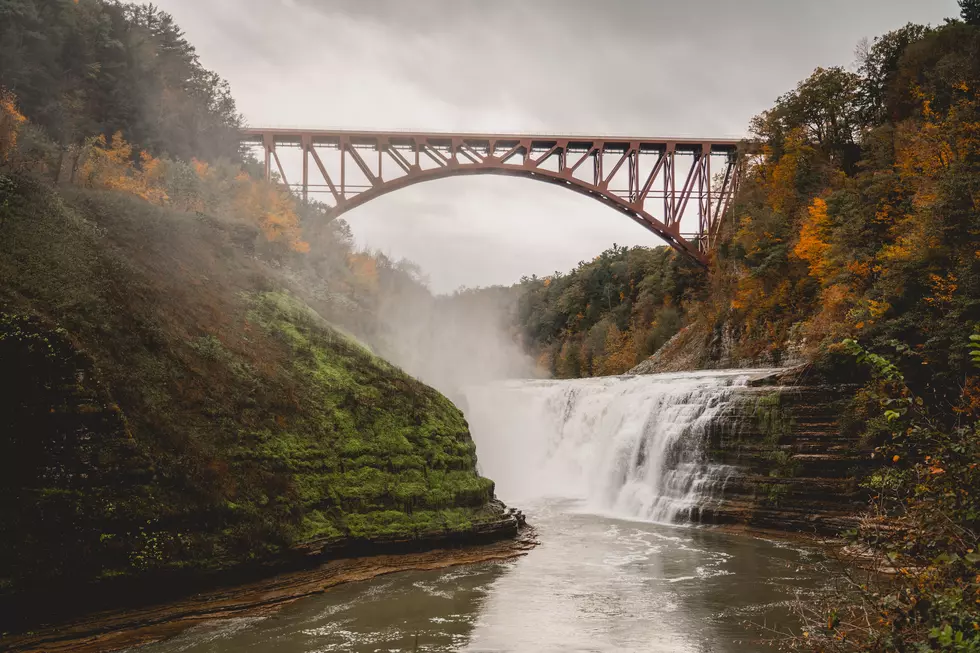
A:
{"x": 607, "y": 314}
{"x": 81, "y": 68}
{"x": 853, "y": 244}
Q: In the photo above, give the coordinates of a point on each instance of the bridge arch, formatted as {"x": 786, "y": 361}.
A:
{"x": 677, "y": 173}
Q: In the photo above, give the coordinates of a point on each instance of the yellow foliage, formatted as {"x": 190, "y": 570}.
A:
{"x": 878, "y": 309}
{"x": 111, "y": 165}
{"x": 365, "y": 270}
{"x": 813, "y": 245}
{"x": 942, "y": 288}
{"x": 781, "y": 189}
{"x": 10, "y": 121}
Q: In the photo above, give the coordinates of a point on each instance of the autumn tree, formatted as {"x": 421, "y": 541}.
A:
{"x": 879, "y": 66}
{"x": 11, "y": 120}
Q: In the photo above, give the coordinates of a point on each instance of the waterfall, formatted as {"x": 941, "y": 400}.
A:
{"x": 634, "y": 447}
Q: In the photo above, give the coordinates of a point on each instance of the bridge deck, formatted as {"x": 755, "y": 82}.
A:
{"x": 576, "y": 142}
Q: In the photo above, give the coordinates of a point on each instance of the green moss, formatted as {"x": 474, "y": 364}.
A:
{"x": 783, "y": 464}
{"x": 773, "y": 419}
{"x": 214, "y": 420}
{"x": 773, "y": 494}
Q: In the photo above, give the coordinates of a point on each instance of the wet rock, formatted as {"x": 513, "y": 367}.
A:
{"x": 797, "y": 467}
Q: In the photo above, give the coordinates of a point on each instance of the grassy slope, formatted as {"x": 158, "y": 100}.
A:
{"x": 168, "y": 404}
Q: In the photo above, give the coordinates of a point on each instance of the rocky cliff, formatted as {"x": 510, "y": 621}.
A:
{"x": 174, "y": 409}
{"x": 795, "y": 464}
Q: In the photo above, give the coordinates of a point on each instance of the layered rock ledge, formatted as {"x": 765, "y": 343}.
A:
{"x": 794, "y": 464}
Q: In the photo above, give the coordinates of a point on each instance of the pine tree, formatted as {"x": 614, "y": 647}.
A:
{"x": 970, "y": 10}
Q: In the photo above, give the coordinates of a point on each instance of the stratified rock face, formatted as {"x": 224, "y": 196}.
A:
{"x": 794, "y": 467}
{"x": 175, "y": 410}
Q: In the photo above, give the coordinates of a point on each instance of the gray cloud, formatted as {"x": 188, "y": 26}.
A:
{"x": 700, "y": 67}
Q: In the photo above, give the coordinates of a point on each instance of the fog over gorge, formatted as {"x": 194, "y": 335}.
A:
{"x": 454, "y": 341}
{"x": 490, "y": 326}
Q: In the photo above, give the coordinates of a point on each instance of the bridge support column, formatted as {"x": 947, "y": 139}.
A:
{"x": 306, "y": 145}
{"x": 270, "y": 143}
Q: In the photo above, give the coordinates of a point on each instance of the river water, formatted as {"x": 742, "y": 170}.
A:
{"x": 608, "y": 471}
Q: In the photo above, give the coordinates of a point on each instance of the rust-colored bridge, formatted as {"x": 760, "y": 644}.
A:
{"x": 655, "y": 181}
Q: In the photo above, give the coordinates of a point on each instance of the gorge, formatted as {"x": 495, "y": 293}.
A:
{"x": 232, "y": 420}
{"x": 612, "y": 472}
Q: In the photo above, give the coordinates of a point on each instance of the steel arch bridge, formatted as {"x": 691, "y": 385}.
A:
{"x": 655, "y": 181}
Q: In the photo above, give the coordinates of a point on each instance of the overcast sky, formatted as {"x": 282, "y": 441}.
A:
{"x": 620, "y": 67}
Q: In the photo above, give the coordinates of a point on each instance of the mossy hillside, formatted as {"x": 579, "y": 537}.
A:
{"x": 233, "y": 424}
{"x": 71, "y": 475}
{"x": 373, "y": 452}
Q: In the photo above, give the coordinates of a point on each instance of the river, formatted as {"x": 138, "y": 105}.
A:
{"x": 608, "y": 471}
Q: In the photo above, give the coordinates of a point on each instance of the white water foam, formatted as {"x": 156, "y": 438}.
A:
{"x": 633, "y": 447}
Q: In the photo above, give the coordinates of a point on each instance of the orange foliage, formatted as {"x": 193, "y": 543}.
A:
{"x": 620, "y": 352}
{"x": 813, "y": 245}
{"x": 970, "y": 399}
{"x": 365, "y": 270}
{"x": 830, "y": 322}
{"x": 860, "y": 269}
{"x": 274, "y": 210}
{"x": 10, "y": 121}
{"x": 942, "y": 289}
{"x": 219, "y": 189}
{"x": 927, "y": 148}
{"x": 543, "y": 362}
{"x": 111, "y": 165}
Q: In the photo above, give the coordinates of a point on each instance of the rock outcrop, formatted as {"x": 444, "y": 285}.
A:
{"x": 795, "y": 465}
{"x": 176, "y": 414}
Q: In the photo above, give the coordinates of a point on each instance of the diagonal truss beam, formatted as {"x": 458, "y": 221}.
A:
{"x": 665, "y": 184}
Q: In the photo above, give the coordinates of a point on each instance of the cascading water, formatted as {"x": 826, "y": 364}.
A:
{"x": 634, "y": 447}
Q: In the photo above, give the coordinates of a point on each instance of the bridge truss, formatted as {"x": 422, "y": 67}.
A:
{"x": 657, "y": 182}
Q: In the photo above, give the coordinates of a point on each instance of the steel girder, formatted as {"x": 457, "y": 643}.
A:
{"x": 658, "y": 182}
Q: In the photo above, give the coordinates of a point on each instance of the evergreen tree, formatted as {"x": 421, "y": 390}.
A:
{"x": 970, "y": 10}
{"x": 89, "y": 67}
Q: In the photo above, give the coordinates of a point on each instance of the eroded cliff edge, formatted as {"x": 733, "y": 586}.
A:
{"x": 795, "y": 462}
{"x": 173, "y": 410}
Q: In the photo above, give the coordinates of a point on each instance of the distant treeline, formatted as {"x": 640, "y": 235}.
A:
{"x": 607, "y": 314}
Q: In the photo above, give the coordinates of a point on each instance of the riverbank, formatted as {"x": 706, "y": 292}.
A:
{"x": 118, "y": 629}
{"x": 596, "y": 582}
